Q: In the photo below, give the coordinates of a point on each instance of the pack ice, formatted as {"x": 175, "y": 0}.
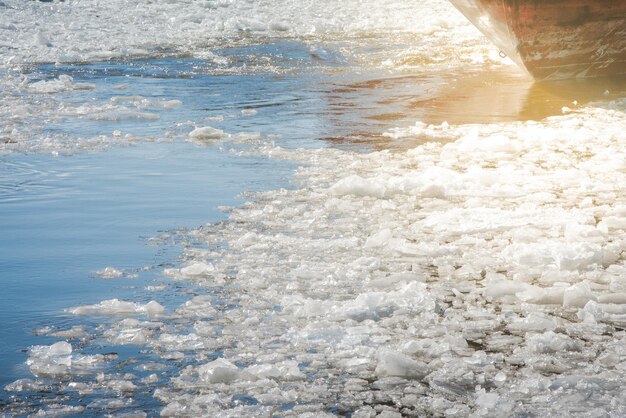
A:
{"x": 481, "y": 276}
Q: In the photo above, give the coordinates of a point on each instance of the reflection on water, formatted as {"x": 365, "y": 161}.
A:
{"x": 317, "y": 92}
{"x": 372, "y": 105}
{"x": 505, "y": 96}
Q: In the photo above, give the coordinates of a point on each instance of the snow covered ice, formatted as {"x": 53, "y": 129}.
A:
{"x": 463, "y": 270}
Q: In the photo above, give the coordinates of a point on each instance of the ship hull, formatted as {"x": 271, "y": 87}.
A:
{"x": 555, "y": 39}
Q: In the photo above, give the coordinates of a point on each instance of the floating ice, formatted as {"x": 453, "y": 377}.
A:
{"x": 141, "y": 102}
{"x": 58, "y": 360}
{"x": 114, "y": 307}
{"x": 26, "y": 384}
{"x": 109, "y": 273}
{"x": 50, "y": 360}
{"x": 219, "y": 371}
{"x": 550, "y": 342}
{"x": 398, "y": 364}
{"x": 132, "y": 331}
{"x": 578, "y": 295}
{"x": 249, "y": 112}
{"x": 206, "y": 133}
{"x": 63, "y": 83}
{"x": 197, "y": 269}
{"x": 471, "y": 276}
{"x": 74, "y": 332}
{"x": 358, "y": 186}
{"x": 286, "y": 370}
{"x": 27, "y": 113}
{"x": 59, "y": 410}
{"x": 59, "y": 32}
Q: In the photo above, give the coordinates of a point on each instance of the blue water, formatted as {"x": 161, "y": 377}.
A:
{"x": 64, "y": 217}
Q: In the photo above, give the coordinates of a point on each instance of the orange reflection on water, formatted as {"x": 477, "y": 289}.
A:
{"x": 503, "y": 96}
{"x": 361, "y": 110}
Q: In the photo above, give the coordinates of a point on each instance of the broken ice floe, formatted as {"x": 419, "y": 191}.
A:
{"x": 109, "y": 273}
{"x": 477, "y": 276}
{"x": 63, "y": 83}
{"x": 59, "y": 360}
{"x": 115, "y": 307}
{"x": 58, "y": 32}
{"x": 446, "y": 279}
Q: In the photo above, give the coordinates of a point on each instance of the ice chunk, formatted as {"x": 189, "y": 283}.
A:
{"x": 591, "y": 313}
{"x": 53, "y": 360}
{"x": 180, "y": 342}
{"x": 286, "y": 370}
{"x": 74, "y": 332}
{"x": 115, "y": 307}
{"x": 26, "y": 385}
{"x": 63, "y": 83}
{"x": 392, "y": 363}
{"x": 61, "y": 348}
{"x": 389, "y": 414}
{"x": 219, "y": 371}
{"x": 109, "y": 273}
{"x": 206, "y": 134}
{"x": 542, "y": 296}
{"x": 550, "y": 342}
{"x": 396, "y": 279}
{"x": 534, "y": 322}
{"x": 358, "y": 186}
{"x": 136, "y": 336}
{"x": 487, "y": 400}
{"x": 379, "y": 239}
{"x": 152, "y": 308}
{"x": 377, "y": 305}
{"x": 58, "y": 410}
{"x": 578, "y": 295}
{"x": 616, "y": 298}
{"x": 501, "y": 287}
{"x": 197, "y": 269}
{"x": 200, "y": 307}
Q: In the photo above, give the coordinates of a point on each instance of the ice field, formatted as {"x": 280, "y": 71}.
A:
{"x": 421, "y": 231}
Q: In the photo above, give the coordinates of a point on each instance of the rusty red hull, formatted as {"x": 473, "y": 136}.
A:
{"x": 555, "y": 39}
